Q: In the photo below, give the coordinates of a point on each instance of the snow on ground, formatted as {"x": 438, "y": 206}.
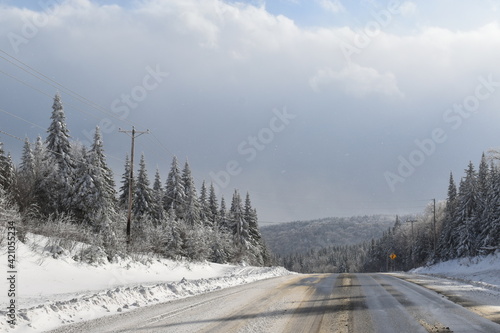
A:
{"x": 471, "y": 282}
{"x": 481, "y": 271}
{"x": 53, "y": 289}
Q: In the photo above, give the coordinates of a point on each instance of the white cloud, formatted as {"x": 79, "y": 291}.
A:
{"x": 408, "y": 8}
{"x": 356, "y": 81}
{"x": 334, "y": 6}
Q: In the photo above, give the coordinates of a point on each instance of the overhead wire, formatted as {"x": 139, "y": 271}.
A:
{"x": 12, "y": 136}
{"x": 37, "y": 74}
{"x": 44, "y": 78}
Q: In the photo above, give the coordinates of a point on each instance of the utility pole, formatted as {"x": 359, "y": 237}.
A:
{"x": 133, "y": 134}
{"x": 412, "y": 243}
{"x": 434, "y": 226}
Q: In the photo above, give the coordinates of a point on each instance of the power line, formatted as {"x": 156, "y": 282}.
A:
{"x": 44, "y": 78}
{"x": 12, "y": 136}
{"x": 15, "y": 116}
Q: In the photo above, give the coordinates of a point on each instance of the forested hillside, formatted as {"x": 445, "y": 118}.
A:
{"x": 302, "y": 236}
{"x": 466, "y": 224}
{"x": 66, "y": 190}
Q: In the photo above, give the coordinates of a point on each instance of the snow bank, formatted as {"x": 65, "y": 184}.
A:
{"x": 53, "y": 289}
{"x": 482, "y": 271}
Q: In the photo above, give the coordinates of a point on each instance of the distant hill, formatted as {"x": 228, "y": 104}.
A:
{"x": 302, "y": 236}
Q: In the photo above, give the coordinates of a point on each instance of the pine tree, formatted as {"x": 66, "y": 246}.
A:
{"x": 259, "y": 248}
{"x": 57, "y": 186}
{"x": 25, "y": 186}
{"x": 27, "y": 165}
{"x": 174, "y": 190}
{"x": 157, "y": 211}
{"x": 238, "y": 224}
{"x": 223, "y": 222}
{"x": 447, "y": 241}
{"x": 142, "y": 193}
{"x": 191, "y": 210}
{"x": 40, "y": 165}
{"x": 204, "y": 208}
{"x": 213, "y": 207}
{"x": 124, "y": 189}
{"x": 489, "y": 233}
{"x": 85, "y": 194}
{"x": 99, "y": 160}
{"x": 6, "y": 170}
{"x": 94, "y": 194}
{"x": 468, "y": 209}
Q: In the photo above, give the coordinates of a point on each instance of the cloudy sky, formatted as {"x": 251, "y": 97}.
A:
{"x": 317, "y": 108}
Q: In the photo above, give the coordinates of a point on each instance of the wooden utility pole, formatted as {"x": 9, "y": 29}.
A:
{"x": 412, "y": 243}
{"x": 133, "y": 134}
{"x": 434, "y": 227}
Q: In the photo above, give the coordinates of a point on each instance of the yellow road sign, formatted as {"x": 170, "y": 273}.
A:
{"x": 393, "y": 256}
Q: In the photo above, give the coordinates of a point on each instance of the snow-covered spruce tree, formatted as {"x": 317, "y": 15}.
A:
{"x": 94, "y": 197}
{"x": 94, "y": 193}
{"x": 84, "y": 194}
{"x": 124, "y": 189}
{"x": 57, "y": 186}
{"x": 6, "y": 170}
{"x": 222, "y": 216}
{"x": 238, "y": 224}
{"x": 141, "y": 208}
{"x": 157, "y": 211}
{"x": 191, "y": 210}
{"x": 257, "y": 244}
{"x": 489, "y": 233}
{"x": 213, "y": 207}
{"x": 468, "y": 209}
{"x": 448, "y": 240}
{"x": 99, "y": 160}
{"x": 40, "y": 162}
{"x": 175, "y": 243}
{"x": 204, "y": 208}
{"x": 8, "y": 212}
{"x": 174, "y": 190}
{"x": 25, "y": 175}
{"x": 27, "y": 165}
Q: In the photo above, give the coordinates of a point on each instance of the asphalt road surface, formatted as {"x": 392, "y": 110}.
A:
{"x": 361, "y": 303}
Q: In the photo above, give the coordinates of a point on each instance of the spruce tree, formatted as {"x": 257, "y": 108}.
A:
{"x": 204, "y": 208}
{"x": 99, "y": 160}
{"x": 174, "y": 190}
{"x": 27, "y": 165}
{"x": 238, "y": 224}
{"x": 157, "y": 211}
{"x": 191, "y": 210}
{"x": 259, "y": 248}
{"x": 213, "y": 207}
{"x": 124, "y": 189}
{"x": 489, "y": 233}
{"x": 94, "y": 194}
{"x": 25, "y": 186}
{"x": 58, "y": 184}
{"x": 468, "y": 209}
{"x": 142, "y": 193}
{"x": 222, "y": 218}
{"x": 6, "y": 170}
{"x": 447, "y": 241}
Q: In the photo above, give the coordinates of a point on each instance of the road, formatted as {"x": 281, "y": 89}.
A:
{"x": 304, "y": 303}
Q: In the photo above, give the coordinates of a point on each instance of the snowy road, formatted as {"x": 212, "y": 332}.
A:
{"x": 308, "y": 303}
